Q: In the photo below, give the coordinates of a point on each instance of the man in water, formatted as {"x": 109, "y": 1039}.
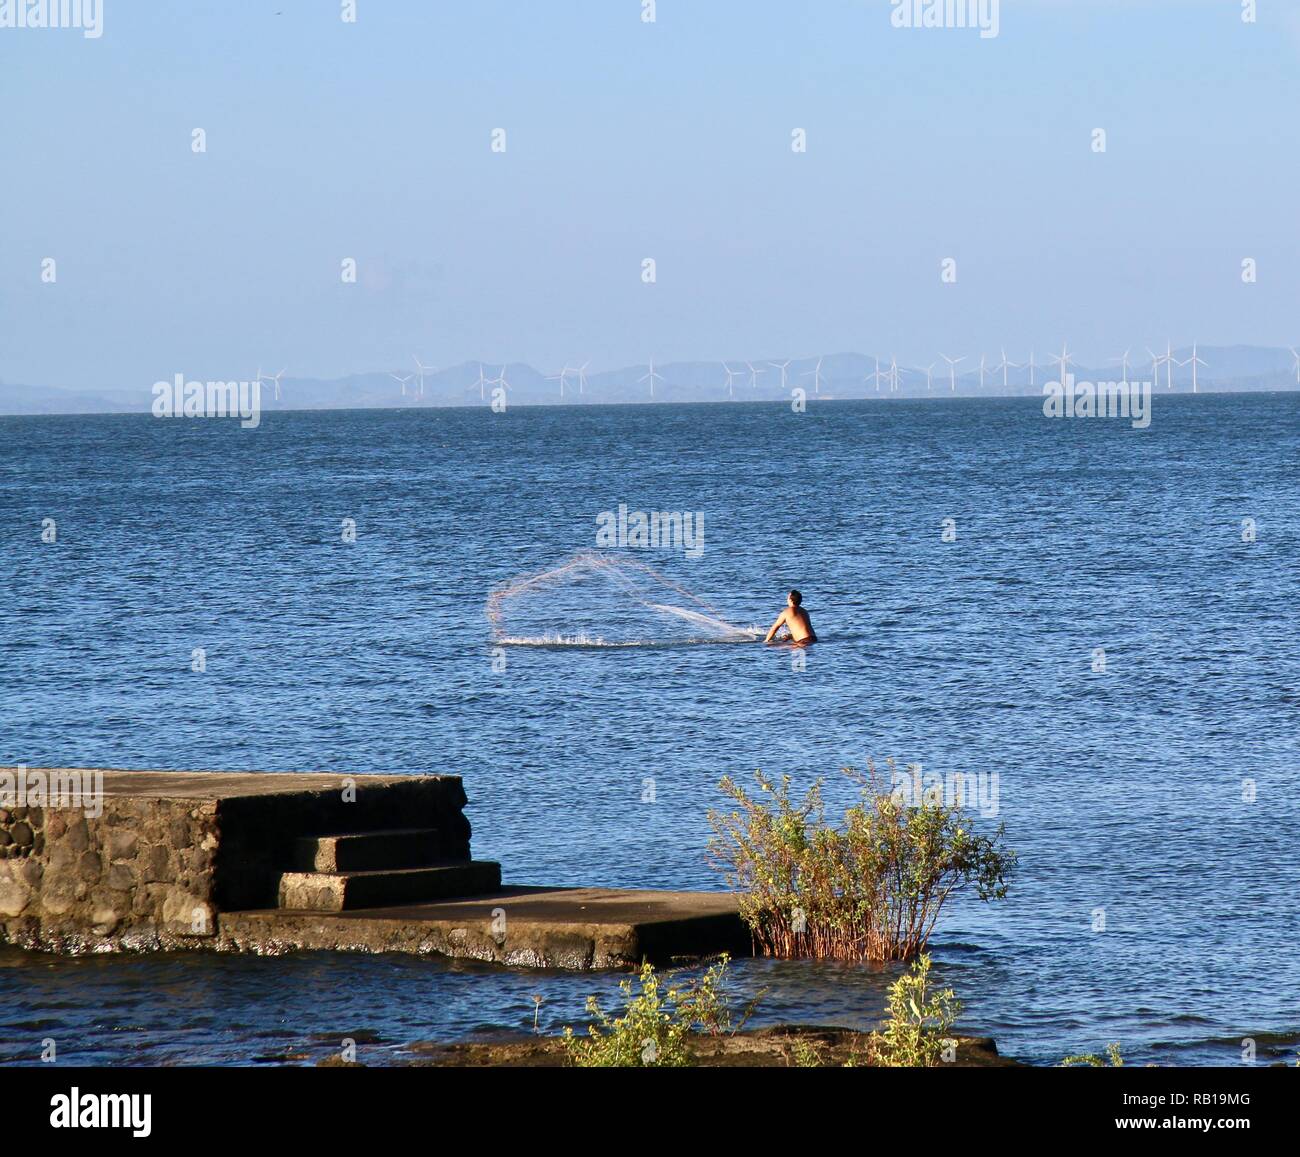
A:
{"x": 795, "y": 620}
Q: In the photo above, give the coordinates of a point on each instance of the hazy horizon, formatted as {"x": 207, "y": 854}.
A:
{"x": 628, "y": 140}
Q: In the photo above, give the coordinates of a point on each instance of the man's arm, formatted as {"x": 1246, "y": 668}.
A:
{"x": 780, "y": 622}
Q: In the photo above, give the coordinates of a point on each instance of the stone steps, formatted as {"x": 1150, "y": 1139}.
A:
{"x": 369, "y": 851}
{"x": 345, "y": 891}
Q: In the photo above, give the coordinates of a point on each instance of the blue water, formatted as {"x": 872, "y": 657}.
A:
{"x": 1121, "y": 791}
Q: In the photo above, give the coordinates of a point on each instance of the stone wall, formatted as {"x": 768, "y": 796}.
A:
{"x": 151, "y": 872}
{"x": 140, "y": 875}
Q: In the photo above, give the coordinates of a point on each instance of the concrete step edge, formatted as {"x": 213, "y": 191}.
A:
{"x": 337, "y": 891}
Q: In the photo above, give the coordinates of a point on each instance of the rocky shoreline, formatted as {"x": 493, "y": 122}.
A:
{"x": 780, "y": 1046}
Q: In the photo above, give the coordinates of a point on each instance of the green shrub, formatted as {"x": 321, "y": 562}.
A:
{"x": 918, "y": 1022}
{"x": 1093, "y": 1061}
{"x": 656, "y": 1026}
{"x": 870, "y": 890}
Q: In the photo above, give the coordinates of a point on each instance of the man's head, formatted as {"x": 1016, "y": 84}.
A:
{"x": 795, "y": 598}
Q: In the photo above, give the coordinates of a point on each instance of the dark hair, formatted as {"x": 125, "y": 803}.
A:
{"x": 796, "y": 598}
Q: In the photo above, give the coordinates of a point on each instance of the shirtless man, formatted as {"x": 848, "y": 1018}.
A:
{"x": 796, "y": 622}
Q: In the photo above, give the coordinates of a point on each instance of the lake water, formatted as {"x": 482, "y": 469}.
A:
{"x": 1121, "y": 790}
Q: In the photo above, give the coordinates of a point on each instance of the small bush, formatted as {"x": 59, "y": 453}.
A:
{"x": 656, "y": 1026}
{"x": 918, "y": 1022}
{"x": 1092, "y": 1060}
{"x": 870, "y": 890}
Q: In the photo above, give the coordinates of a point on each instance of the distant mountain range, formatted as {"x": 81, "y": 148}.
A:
{"x": 1237, "y": 369}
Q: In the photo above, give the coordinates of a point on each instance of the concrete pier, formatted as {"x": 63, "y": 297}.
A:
{"x": 567, "y": 928}
{"x": 113, "y": 860}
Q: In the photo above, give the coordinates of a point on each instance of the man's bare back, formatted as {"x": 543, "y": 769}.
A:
{"x": 795, "y": 620}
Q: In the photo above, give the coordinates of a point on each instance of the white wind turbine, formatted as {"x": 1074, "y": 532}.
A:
{"x": 481, "y": 383}
{"x": 402, "y": 381}
{"x": 651, "y": 378}
{"x": 893, "y": 374}
{"x": 929, "y": 376}
{"x": 1170, "y": 362}
{"x": 1123, "y": 360}
{"x": 783, "y": 366}
{"x": 500, "y": 380}
{"x": 1194, "y": 361}
{"x": 754, "y": 375}
{"x": 562, "y": 377}
{"x": 816, "y": 374}
{"x": 1064, "y": 361}
{"x": 876, "y": 376}
{"x": 1297, "y": 365}
{"x": 952, "y": 369}
{"x": 982, "y": 361}
{"x": 275, "y": 380}
{"x": 732, "y": 375}
{"x": 1032, "y": 368}
{"x": 1156, "y": 361}
{"x": 1005, "y": 365}
{"x": 582, "y": 376}
{"x": 420, "y": 370}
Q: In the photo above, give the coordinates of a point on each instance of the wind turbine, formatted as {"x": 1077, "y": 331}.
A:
{"x": 1169, "y": 364}
{"x": 481, "y": 383}
{"x": 1064, "y": 361}
{"x": 402, "y": 380}
{"x": 876, "y": 375}
{"x": 893, "y": 374}
{"x": 275, "y": 380}
{"x": 500, "y": 380}
{"x": 1004, "y": 366}
{"x": 1123, "y": 360}
{"x": 1032, "y": 367}
{"x": 754, "y": 375}
{"x": 650, "y": 377}
{"x": 561, "y": 377}
{"x": 952, "y": 369}
{"x": 783, "y": 366}
{"x": 1297, "y": 365}
{"x": 982, "y": 360}
{"x": 582, "y": 376}
{"x": 816, "y": 374}
{"x": 1194, "y": 361}
{"x": 421, "y": 370}
{"x": 1156, "y": 361}
{"x": 929, "y": 376}
{"x": 732, "y": 375}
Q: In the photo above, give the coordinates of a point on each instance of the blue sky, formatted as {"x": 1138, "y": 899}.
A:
{"x": 625, "y": 141}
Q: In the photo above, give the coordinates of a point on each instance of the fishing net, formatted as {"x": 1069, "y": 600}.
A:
{"x": 603, "y": 600}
